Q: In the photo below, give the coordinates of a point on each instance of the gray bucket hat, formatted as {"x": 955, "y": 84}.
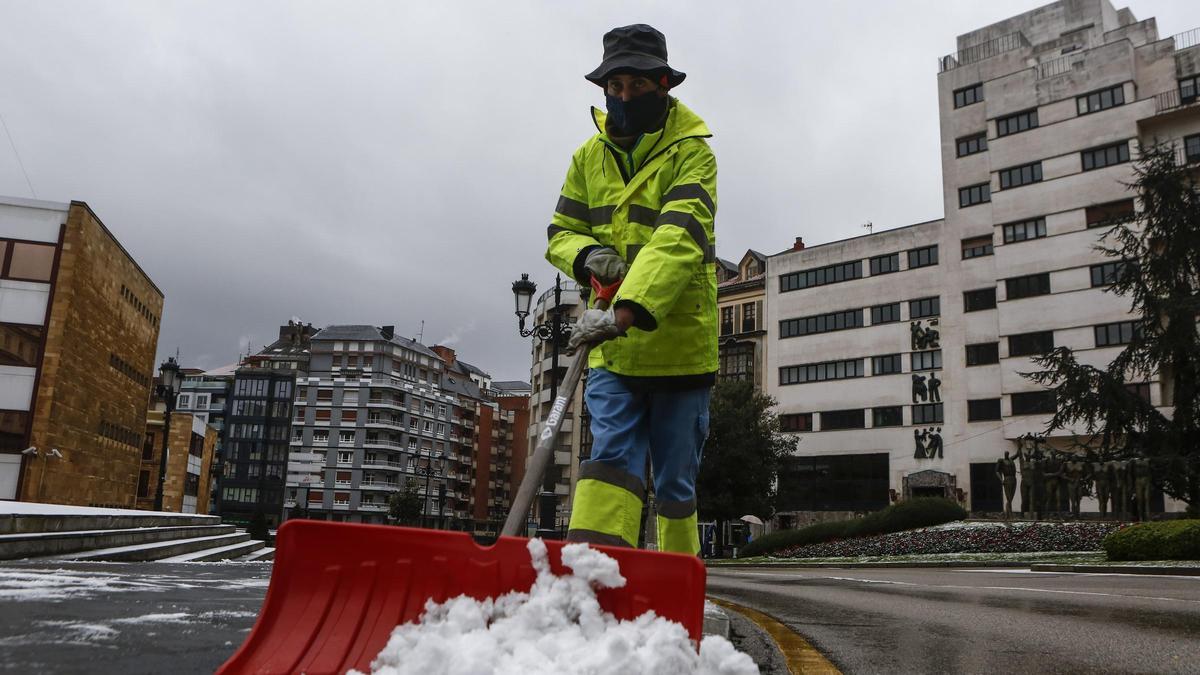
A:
{"x": 638, "y": 48}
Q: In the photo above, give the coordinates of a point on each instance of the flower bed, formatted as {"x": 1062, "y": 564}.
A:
{"x": 975, "y": 538}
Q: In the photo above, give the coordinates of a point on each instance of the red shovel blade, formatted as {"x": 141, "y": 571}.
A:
{"x": 338, "y": 589}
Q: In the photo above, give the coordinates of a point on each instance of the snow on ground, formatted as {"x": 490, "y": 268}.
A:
{"x": 557, "y": 627}
{"x": 58, "y": 584}
{"x": 37, "y": 509}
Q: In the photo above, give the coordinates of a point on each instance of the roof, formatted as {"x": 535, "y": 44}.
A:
{"x": 756, "y": 254}
{"x": 732, "y": 267}
{"x": 223, "y": 371}
{"x": 756, "y": 280}
{"x": 511, "y": 385}
{"x": 472, "y": 369}
{"x": 365, "y": 332}
{"x": 461, "y": 385}
{"x": 861, "y": 236}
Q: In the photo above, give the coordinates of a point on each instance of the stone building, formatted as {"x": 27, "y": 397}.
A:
{"x": 919, "y": 391}
{"x": 191, "y": 452}
{"x": 79, "y": 322}
{"x": 741, "y": 289}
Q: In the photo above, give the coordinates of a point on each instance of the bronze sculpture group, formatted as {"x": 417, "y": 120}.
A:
{"x": 1047, "y": 474}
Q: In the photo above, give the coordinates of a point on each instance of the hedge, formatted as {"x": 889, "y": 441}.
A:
{"x": 906, "y": 515}
{"x": 1166, "y": 540}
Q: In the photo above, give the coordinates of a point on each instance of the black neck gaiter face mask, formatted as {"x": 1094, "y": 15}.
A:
{"x": 637, "y": 115}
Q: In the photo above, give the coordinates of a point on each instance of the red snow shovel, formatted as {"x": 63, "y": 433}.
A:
{"x": 338, "y": 589}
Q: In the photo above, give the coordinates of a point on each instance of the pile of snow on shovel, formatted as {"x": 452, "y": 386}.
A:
{"x": 557, "y": 627}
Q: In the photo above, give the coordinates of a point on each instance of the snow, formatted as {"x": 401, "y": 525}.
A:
{"x": 557, "y": 627}
{"x": 38, "y": 509}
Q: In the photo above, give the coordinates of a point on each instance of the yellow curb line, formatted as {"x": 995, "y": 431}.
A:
{"x": 800, "y": 655}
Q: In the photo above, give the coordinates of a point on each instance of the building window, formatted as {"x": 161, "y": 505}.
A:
{"x": 976, "y": 247}
{"x": 325, "y": 395}
{"x": 819, "y": 372}
{"x": 927, "y": 360}
{"x": 796, "y": 422}
{"x": 737, "y": 361}
{"x": 968, "y": 95}
{"x": 832, "y": 420}
{"x": 969, "y": 145}
{"x": 1033, "y": 403}
{"x": 1140, "y": 390}
{"x": 1024, "y": 230}
{"x": 28, "y": 262}
{"x": 975, "y": 301}
{"x": 1191, "y": 148}
{"x": 834, "y": 483}
{"x": 1020, "y": 175}
{"x": 923, "y": 257}
{"x": 983, "y": 409}
{"x": 143, "y": 488}
{"x": 1100, "y": 100}
{"x": 727, "y": 320}
{"x": 918, "y": 309}
{"x": 927, "y": 413}
{"x": 1098, "y": 158}
{"x": 320, "y": 437}
{"x": 885, "y": 264}
{"x": 322, "y": 415}
{"x": 885, "y": 313}
{"x": 346, "y": 438}
{"x": 1188, "y": 87}
{"x": 748, "y": 317}
{"x": 20, "y": 344}
{"x": 983, "y": 353}
{"x": 1031, "y": 344}
{"x": 1016, "y": 123}
{"x": 1111, "y": 213}
{"x": 1027, "y": 286}
{"x": 890, "y": 416}
{"x": 1107, "y": 273}
{"x": 1119, "y": 333}
{"x": 886, "y": 365}
{"x": 974, "y": 194}
{"x": 822, "y": 323}
{"x": 830, "y": 274}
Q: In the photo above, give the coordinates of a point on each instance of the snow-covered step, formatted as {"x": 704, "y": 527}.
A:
{"x": 219, "y": 553}
{"x": 40, "y": 544}
{"x": 157, "y": 550}
{"x": 24, "y": 517}
{"x": 261, "y": 555}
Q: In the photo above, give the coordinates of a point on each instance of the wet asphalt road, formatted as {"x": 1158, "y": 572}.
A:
{"x": 69, "y": 617}
{"x": 976, "y": 621}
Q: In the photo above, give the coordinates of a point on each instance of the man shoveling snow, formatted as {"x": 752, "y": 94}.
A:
{"x": 556, "y": 628}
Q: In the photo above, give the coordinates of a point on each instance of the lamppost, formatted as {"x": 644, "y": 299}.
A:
{"x": 429, "y": 470}
{"x": 554, "y": 329}
{"x": 168, "y": 391}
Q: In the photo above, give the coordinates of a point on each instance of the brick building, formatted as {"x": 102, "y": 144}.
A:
{"x": 79, "y": 322}
{"x": 191, "y": 453}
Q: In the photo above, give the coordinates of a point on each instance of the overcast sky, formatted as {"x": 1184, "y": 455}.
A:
{"x": 388, "y": 163}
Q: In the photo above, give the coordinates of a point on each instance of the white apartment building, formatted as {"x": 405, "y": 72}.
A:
{"x": 898, "y": 354}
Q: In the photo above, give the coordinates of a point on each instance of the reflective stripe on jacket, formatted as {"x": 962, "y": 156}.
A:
{"x": 655, "y": 206}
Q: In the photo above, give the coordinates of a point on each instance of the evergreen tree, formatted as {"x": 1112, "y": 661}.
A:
{"x": 1159, "y": 252}
{"x": 404, "y": 507}
{"x": 742, "y": 455}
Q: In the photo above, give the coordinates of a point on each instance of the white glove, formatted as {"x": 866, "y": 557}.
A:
{"x": 606, "y": 265}
{"x": 594, "y": 327}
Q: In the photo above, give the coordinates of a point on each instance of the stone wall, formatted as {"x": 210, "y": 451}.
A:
{"x": 96, "y": 372}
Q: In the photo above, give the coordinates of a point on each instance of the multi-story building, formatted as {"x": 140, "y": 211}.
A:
{"x": 205, "y": 395}
{"x": 79, "y": 323}
{"x": 1041, "y": 115}
{"x": 191, "y": 449}
{"x": 741, "y": 289}
{"x": 501, "y": 446}
{"x": 376, "y": 410}
{"x": 552, "y": 508}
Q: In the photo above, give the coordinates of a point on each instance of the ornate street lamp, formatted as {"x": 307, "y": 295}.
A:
{"x": 168, "y": 391}
{"x": 432, "y": 468}
{"x": 554, "y": 329}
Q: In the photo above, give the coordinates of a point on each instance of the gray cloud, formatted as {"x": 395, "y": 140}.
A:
{"x": 393, "y": 163}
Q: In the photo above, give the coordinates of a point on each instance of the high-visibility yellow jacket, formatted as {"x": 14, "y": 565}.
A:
{"x": 655, "y": 206}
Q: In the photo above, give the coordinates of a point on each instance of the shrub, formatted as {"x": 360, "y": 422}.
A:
{"x": 1167, "y": 540}
{"x": 906, "y": 515}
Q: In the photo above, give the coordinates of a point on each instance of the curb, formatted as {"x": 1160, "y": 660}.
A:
{"x": 875, "y": 565}
{"x": 799, "y": 654}
{"x": 1191, "y": 571}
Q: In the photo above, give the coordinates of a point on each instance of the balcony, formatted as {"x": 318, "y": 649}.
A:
{"x": 1172, "y": 100}
{"x": 982, "y": 51}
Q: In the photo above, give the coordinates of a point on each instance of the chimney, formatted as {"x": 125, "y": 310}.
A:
{"x": 799, "y": 245}
{"x": 388, "y": 332}
{"x": 448, "y": 355}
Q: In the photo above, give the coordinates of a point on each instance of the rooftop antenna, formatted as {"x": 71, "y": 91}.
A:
{"x": 421, "y": 333}
{"x": 869, "y": 227}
